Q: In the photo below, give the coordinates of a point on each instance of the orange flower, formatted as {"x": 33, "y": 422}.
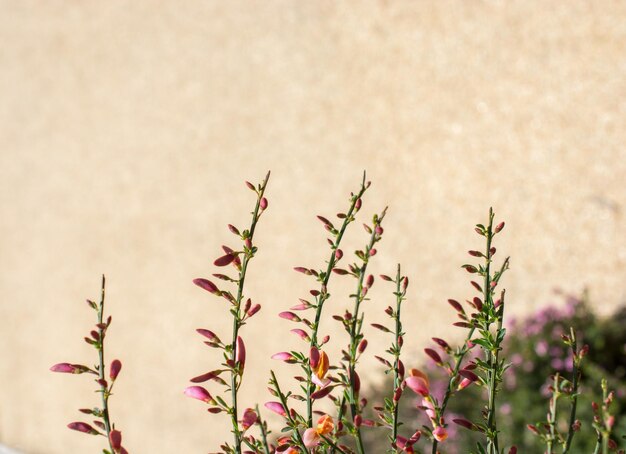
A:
{"x": 320, "y": 370}
{"x": 312, "y": 436}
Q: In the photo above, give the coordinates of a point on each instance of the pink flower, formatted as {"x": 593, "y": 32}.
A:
{"x": 312, "y": 436}
{"x": 440, "y": 434}
{"x": 418, "y": 382}
{"x": 198, "y": 392}
{"x": 116, "y": 439}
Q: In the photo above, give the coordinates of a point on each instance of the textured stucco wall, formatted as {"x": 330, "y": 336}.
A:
{"x": 126, "y": 129}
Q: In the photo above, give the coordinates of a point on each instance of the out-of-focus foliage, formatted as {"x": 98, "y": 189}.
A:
{"x": 535, "y": 351}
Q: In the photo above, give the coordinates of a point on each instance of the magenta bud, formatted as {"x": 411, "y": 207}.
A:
{"x": 303, "y": 335}
{"x": 405, "y": 283}
{"x": 456, "y": 305}
{"x": 208, "y": 334}
{"x": 379, "y": 230}
{"x": 254, "y": 309}
{"x": 64, "y": 368}
{"x": 247, "y": 305}
{"x": 477, "y": 286}
{"x": 475, "y": 253}
{"x": 240, "y": 356}
{"x": 276, "y": 407}
{"x": 325, "y": 339}
{"x": 400, "y": 341}
{"x": 358, "y": 204}
{"x": 249, "y": 418}
{"x": 433, "y": 355}
{"x": 289, "y": 316}
{"x": 400, "y": 368}
{"x": 83, "y": 427}
{"x": 397, "y": 394}
{"x": 263, "y": 203}
{"x": 116, "y": 439}
{"x": 303, "y": 270}
{"x": 362, "y": 346}
{"x": 470, "y": 269}
{"x": 206, "y": 285}
{"x": 442, "y": 343}
{"x": 198, "y": 392}
{"x": 284, "y": 356}
{"x": 314, "y": 357}
{"x": 373, "y": 252}
{"x": 233, "y": 229}
{"x": 338, "y": 254}
{"x": 370, "y": 280}
{"x": 463, "y": 423}
{"x": 248, "y": 243}
{"x": 321, "y": 393}
{"x": 384, "y": 277}
{"x": 250, "y": 186}
{"x": 499, "y": 227}
{"x": 358, "y": 420}
{"x": 116, "y": 367}
{"x": 224, "y": 260}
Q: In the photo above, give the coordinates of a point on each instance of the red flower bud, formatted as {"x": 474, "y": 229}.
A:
{"x": 263, "y": 203}
{"x": 499, "y": 227}
{"x": 362, "y": 346}
{"x": 116, "y": 367}
{"x": 224, "y": 260}
{"x": 83, "y": 427}
{"x": 206, "y": 285}
{"x": 116, "y": 439}
{"x": 433, "y": 355}
{"x": 240, "y": 356}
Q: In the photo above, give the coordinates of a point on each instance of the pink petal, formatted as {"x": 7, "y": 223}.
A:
{"x": 276, "y": 407}
{"x": 206, "y": 285}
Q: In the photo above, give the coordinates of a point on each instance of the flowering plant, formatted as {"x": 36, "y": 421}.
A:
{"x": 466, "y": 387}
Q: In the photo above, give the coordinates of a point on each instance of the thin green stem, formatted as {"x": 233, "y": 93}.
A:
{"x": 101, "y": 367}
{"x": 397, "y": 381}
{"x": 321, "y": 298}
{"x": 236, "y": 374}
{"x": 552, "y": 415}
{"x": 575, "y": 385}
{"x": 292, "y": 423}
{"x": 263, "y": 428}
{"x": 355, "y": 331}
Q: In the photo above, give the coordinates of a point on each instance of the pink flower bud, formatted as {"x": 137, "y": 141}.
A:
{"x": 253, "y": 310}
{"x": 358, "y": 204}
{"x": 65, "y": 368}
{"x": 321, "y": 393}
{"x": 499, "y": 227}
{"x": 325, "y": 340}
{"x": 289, "y": 316}
{"x": 370, "y": 280}
{"x": 250, "y": 186}
{"x": 206, "y": 285}
{"x": 314, "y": 357}
{"x": 224, "y": 260}
{"x": 263, "y": 203}
{"x": 303, "y": 335}
{"x": 116, "y": 367}
{"x": 198, "y": 392}
{"x": 417, "y": 385}
{"x": 249, "y": 418}
{"x": 405, "y": 283}
{"x": 83, "y": 427}
{"x": 373, "y": 252}
{"x": 233, "y": 229}
{"x": 464, "y": 423}
{"x": 208, "y": 334}
{"x": 116, "y": 439}
{"x": 379, "y": 230}
{"x": 470, "y": 269}
{"x": 338, "y": 254}
{"x": 276, "y": 407}
{"x": 362, "y": 346}
{"x": 240, "y": 356}
{"x": 358, "y": 420}
{"x": 284, "y": 356}
{"x": 456, "y": 305}
{"x": 433, "y": 355}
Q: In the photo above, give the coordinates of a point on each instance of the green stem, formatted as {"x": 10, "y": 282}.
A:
{"x": 552, "y": 415}
{"x": 575, "y": 384}
{"x": 321, "y": 298}
{"x": 101, "y": 368}
{"x": 263, "y": 427}
{"x": 292, "y": 423}
{"x": 355, "y": 332}
{"x": 237, "y": 373}
{"x": 396, "y": 364}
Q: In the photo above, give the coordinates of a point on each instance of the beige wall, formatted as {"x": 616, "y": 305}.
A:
{"x": 126, "y": 129}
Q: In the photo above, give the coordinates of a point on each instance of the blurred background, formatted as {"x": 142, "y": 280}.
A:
{"x": 128, "y": 128}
